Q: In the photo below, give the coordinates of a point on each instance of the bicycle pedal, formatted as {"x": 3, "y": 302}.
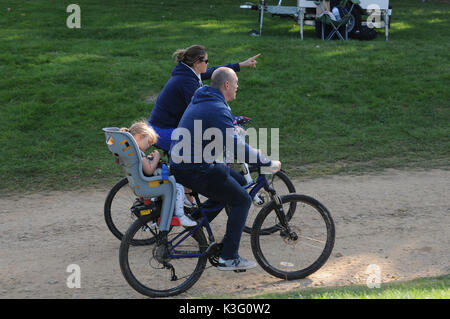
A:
{"x": 240, "y": 270}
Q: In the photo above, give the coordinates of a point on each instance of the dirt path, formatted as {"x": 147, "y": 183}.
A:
{"x": 397, "y": 220}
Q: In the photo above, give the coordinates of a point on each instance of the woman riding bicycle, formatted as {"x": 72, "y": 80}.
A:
{"x": 187, "y": 77}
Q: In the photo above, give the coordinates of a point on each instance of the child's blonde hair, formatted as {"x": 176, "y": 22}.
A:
{"x": 141, "y": 127}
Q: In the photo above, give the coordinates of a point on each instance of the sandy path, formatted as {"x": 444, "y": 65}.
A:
{"x": 397, "y": 220}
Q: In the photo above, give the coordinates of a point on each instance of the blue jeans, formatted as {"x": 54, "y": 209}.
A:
{"x": 220, "y": 184}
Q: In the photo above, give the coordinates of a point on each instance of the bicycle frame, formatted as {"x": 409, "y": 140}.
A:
{"x": 261, "y": 182}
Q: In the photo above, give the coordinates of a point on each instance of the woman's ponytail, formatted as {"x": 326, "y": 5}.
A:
{"x": 179, "y": 55}
{"x": 190, "y": 55}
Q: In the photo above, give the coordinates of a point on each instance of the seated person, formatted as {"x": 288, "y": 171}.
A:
{"x": 145, "y": 136}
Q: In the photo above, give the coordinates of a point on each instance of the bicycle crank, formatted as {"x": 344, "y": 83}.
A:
{"x": 213, "y": 253}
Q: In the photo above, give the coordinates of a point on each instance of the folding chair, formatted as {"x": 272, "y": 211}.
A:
{"x": 325, "y": 18}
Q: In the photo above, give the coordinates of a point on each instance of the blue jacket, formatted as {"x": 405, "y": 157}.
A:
{"x": 177, "y": 93}
{"x": 210, "y": 110}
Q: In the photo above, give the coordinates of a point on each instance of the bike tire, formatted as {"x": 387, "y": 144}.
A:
{"x": 289, "y": 259}
{"x": 123, "y": 217}
{"x": 144, "y": 289}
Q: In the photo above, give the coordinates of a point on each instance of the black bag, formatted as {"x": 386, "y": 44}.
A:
{"x": 361, "y": 32}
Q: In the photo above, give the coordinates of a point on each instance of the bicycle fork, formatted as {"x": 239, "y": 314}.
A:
{"x": 286, "y": 231}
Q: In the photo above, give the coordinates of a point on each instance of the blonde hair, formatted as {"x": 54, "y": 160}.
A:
{"x": 141, "y": 127}
{"x": 190, "y": 55}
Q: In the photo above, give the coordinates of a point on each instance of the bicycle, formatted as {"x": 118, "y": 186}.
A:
{"x": 120, "y": 199}
{"x": 173, "y": 261}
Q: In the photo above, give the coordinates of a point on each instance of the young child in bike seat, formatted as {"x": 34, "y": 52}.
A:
{"x": 145, "y": 135}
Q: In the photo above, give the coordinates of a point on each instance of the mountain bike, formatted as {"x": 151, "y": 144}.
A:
{"x": 120, "y": 199}
{"x": 292, "y": 237}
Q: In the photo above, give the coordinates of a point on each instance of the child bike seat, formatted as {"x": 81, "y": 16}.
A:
{"x": 124, "y": 147}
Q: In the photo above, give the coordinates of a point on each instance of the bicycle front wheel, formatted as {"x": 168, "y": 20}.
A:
{"x": 299, "y": 250}
{"x": 150, "y": 272}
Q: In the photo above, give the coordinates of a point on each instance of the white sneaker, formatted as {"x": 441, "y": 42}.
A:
{"x": 186, "y": 221}
{"x": 236, "y": 264}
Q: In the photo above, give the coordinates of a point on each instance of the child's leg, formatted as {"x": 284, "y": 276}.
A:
{"x": 179, "y": 208}
{"x": 179, "y": 204}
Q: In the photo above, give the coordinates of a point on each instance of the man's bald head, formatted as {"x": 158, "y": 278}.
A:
{"x": 225, "y": 80}
{"x": 220, "y": 76}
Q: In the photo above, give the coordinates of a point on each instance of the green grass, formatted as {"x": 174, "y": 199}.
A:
{"x": 423, "y": 288}
{"x": 340, "y": 107}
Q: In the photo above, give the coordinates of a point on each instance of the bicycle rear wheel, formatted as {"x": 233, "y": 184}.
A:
{"x": 151, "y": 273}
{"x": 118, "y": 215}
{"x": 305, "y": 249}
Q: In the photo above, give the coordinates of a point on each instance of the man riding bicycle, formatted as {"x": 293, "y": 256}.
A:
{"x": 215, "y": 180}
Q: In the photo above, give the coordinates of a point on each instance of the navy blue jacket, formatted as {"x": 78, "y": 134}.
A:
{"x": 177, "y": 93}
{"x": 209, "y": 106}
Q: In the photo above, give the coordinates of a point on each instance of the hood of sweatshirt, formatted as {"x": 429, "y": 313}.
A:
{"x": 183, "y": 70}
{"x": 208, "y": 94}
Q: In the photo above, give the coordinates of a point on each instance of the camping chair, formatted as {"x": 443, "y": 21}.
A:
{"x": 124, "y": 147}
{"x": 325, "y": 19}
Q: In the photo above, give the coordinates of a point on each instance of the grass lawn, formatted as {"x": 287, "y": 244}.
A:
{"x": 423, "y": 288}
{"x": 340, "y": 107}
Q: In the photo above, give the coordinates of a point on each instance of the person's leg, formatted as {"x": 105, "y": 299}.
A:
{"x": 196, "y": 179}
{"x": 217, "y": 183}
{"x": 221, "y": 185}
{"x": 238, "y": 177}
{"x": 239, "y": 202}
{"x": 212, "y": 202}
{"x": 179, "y": 208}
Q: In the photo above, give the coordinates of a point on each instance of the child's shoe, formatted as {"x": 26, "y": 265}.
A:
{"x": 186, "y": 221}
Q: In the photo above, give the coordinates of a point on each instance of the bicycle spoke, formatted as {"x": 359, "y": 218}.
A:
{"x": 120, "y": 209}
{"x": 298, "y": 250}
{"x": 150, "y": 270}
{"x": 318, "y": 241}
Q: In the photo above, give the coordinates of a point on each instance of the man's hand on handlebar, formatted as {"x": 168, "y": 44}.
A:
{"x": 239, "y": 130}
